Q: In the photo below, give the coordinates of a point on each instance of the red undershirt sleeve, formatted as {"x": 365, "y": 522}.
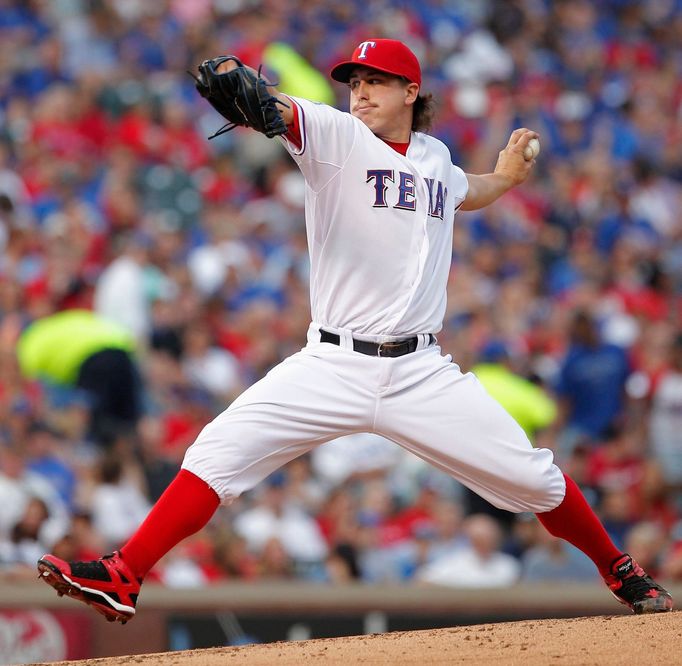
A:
{"x": 293, "y": 134}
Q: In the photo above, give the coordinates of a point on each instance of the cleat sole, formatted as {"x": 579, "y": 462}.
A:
{"x": 658, "y": 605}
{"x": 55, "y": 579}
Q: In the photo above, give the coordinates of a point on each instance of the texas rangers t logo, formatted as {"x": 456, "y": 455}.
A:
{"x": 363, "y": 49}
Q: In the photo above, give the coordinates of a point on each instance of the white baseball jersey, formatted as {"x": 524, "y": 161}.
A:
{"x": 379, "y": 232}
{"x": 379, "y": 225}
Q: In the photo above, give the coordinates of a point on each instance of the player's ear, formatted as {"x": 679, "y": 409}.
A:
{"x": 411, "y": 93}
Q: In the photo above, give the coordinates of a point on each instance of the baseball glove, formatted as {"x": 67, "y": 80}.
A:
{"x": 241, "y": 97}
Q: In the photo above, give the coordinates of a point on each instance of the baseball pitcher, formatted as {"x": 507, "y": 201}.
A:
{"x": 381, "y": 199}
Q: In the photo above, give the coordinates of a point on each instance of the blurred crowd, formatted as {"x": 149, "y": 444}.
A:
{"x": 565, "y": 297}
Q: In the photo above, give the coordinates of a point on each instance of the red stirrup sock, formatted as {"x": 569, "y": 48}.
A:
{"x": 574, "y": 521}
{"x": 184, "y": 508}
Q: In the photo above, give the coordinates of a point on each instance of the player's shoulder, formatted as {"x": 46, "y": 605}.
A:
{"x": 433, "y": 148}
{"x": 302, "y": 101}
{"x": 431, "y": 143}
{"x": 323, "y": 116}
{"x": 313, "y": 107}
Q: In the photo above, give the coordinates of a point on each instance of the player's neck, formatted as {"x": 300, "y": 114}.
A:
{"x": 399, "y": 147}
{"x": 401, "y": 135}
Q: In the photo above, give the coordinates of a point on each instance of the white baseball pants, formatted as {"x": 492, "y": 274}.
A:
{"x": 421, "y": 401}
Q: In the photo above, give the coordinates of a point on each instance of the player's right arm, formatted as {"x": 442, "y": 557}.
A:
{"x": 511, "y": 170}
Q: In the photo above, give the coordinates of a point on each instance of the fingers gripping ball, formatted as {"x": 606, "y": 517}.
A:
{"x": 241, "y": 96}
{"x": 532, "y": 150}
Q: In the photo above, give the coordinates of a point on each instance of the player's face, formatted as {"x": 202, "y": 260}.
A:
{"x": 382, "y": 101}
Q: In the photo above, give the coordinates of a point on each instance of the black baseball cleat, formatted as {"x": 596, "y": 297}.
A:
{"x": 630, "y": 584}
{"x": 107, "y": 584}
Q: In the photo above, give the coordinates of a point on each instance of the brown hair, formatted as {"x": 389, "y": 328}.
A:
{"x": 423, "y": 112}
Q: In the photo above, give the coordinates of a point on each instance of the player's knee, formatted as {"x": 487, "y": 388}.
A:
{"x": 542, "y": 491}
{"x": 541, "y": 504}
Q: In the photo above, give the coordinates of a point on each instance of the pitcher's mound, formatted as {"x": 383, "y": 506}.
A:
{"x": 602, "y": 641}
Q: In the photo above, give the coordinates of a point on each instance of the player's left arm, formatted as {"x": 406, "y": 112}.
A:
{"x": 511, "y": 170}
{"x": 286, "y": 108}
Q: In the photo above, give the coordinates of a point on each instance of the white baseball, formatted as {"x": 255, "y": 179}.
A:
{"x": 532, "y": 150}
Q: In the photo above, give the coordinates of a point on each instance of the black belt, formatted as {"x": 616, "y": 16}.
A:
{"x": 392, "y": 349}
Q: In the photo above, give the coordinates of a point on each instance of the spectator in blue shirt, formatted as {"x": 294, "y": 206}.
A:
{"x": 591, "y": 384}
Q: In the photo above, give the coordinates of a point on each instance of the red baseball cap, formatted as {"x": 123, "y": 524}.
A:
{"x": 385, "y": 55}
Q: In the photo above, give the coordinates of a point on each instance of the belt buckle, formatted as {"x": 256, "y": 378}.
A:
{"x": 391, "y": 344}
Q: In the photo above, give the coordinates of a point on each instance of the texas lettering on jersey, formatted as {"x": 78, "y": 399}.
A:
{"x": 406, "y": 197}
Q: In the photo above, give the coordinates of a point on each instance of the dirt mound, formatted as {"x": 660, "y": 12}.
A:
{"x": 604, "y": 640}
